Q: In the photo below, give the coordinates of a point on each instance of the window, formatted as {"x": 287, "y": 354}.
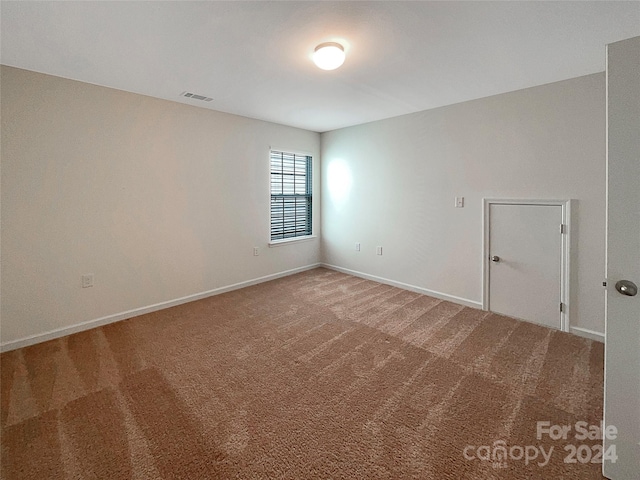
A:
{"x": 291, "y": 197}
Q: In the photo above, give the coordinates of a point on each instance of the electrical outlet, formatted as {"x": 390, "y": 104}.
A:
{"x": 256, "y": 252}
{"x": 357, "y": 247}
{"x": 87, "y": 280}
{"x": 459, "y": 202}
{"x": 378, "y": 250}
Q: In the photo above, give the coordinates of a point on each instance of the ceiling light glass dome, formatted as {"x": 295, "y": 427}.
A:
{"x": 328, "y": 56}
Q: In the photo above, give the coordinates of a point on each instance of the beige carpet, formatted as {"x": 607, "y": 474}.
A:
{"x": 315, "y": 376}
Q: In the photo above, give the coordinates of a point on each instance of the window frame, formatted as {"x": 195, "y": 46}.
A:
{"x": 300, "y": 238}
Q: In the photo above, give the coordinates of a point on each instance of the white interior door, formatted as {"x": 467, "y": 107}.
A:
{"x": 525, "y": 262}
{"x": 622, "y": 347}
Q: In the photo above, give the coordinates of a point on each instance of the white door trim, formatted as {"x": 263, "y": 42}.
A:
{"x": 565, "y": 274}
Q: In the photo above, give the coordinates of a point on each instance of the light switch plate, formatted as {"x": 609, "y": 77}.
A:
{"x": 87, "y": 280}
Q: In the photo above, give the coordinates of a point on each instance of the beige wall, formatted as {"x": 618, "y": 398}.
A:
{"x": 393, "y": 182}
{"x": 159, "y": 200}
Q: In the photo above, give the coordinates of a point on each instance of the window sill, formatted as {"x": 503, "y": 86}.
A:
{"x": 289, "y": 241}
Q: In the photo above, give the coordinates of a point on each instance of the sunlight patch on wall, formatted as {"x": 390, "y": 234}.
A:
{"x": 339, "y": 181}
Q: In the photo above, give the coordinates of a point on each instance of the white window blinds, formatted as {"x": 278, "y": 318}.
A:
{"x": 291, "y": 197}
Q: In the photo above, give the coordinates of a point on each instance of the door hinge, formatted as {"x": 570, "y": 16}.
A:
{"x": 563, "y": 228}
{"x": 561, "y": 307}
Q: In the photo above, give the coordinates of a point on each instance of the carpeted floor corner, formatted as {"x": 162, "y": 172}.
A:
{"x": 319, "y": 375}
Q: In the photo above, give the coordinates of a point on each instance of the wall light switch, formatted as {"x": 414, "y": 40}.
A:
{"x": 357, "y": 247}
{"x": 459, "y": 202}
{"x": 378, "y": 250}
{"x": 256, "y": 252}
{"x": 87, "y": 280}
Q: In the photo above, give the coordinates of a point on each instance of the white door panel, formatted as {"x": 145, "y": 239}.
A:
{"x": 525, "y": 279}
{"x": 622, "y": 347}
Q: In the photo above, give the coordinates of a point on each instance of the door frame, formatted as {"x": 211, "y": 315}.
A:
{"x": 565, "y": 271}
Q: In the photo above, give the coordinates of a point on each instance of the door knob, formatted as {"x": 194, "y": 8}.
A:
{"x": 626, "y": 287}
{"x": 495, "y": 258}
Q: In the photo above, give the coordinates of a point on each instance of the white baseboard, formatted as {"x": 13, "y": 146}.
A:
{"x": 406, "y": 286}
{"x": 586, "y": 333}
{"x": 582, "y": 332}
{"x": 98, "y": 322}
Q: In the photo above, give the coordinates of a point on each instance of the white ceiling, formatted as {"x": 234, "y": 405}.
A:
{"x": 253, "y": 58}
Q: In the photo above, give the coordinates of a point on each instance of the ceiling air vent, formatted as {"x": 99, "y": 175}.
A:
{"x": 195, "y": 96}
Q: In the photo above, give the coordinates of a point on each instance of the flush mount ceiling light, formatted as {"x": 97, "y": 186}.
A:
{"x": 328, "y": 56}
